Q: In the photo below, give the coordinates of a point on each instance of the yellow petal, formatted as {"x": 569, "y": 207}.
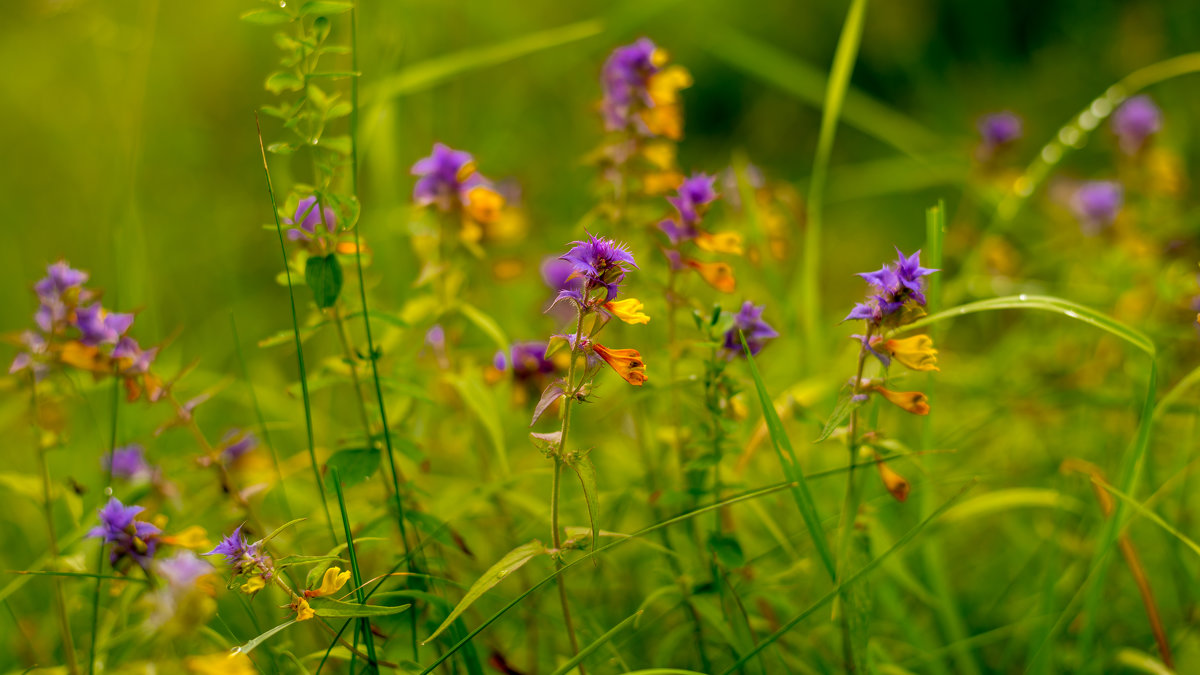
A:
{"x": 253, "y": 585}
{"x": 719, "y": 275}
{"x": 721, "y": 242}
{"x": 915, "y": 352}
{"x": 333, "y": 580}
{"x": 628, "y": 310}
{"x": 193, "y": 537}
{"x": 913, "y": 401}
{"x": 484, "y": 204}
{"x": 303, "y": 611}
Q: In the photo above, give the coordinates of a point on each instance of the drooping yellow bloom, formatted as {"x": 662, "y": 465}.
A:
{"x": 331, "y": 583}
{"x": 720, "y": 242}
{"x": 221, "y": 663}
{"x": 913, "y": 401}
{"x": 303, "y": 611}
{"x": 193, "y": 537}
{"x": 484, "y": 204}
{"x": 895, "y": 484}
{"x": 627, "y": 362}
{"x": 914, "y": 352}
{"x": 628, "y": 310}
{"x": 719, "y": 275}
{"x": 253, "y": 585}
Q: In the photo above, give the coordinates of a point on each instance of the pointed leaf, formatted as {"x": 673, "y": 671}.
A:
{"x": 324, "y": 277}
{"x": 336, "y": 609}
{"x": 583, "y": 467}
{"x": 249, "y": 646}
{"x": 552, "y": 394}
{"x": 510, "y": 563}
{"x": 355, "y": 465}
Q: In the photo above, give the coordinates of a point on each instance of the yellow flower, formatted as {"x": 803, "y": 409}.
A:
{"x": 303, "y": 611}
{"x": 721, "y": 242}
{"x": 915, "y": 352}
{"x": 221, "y": 663}
{"x": 627, "y": 362}
{"x": 719, "y": 275}
{"x": 661, "y": 155}
{"x": 484, "y": 204}
{"x": 913, "y": 401}
{"x": 661, "y": 182}
{"x": 193, "y": 537}
{"x": 665, "y": 117}
{"x": 629, "y": 310}
{"x": 331, "y": 583}
{"x": 253, "y": 585}
{"x": 895, "y": 484}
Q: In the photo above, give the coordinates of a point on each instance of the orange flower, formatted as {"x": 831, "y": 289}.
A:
{"x": 627, "y": 362}
{"x": 895, "y": 484}
{"x": 484, "y": 204}
{"x": 719, "y": 275}
{"x": 913, "y": 401}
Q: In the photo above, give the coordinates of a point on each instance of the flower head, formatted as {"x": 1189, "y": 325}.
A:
{"x": 600, "y": 263}
{"x": 332, "y": 582}
{"x": 998, "y": 129}
{"x": 896, "y": 286}
{"x": 129, "y": 537}
{"x": 1096, "y": 204}
{"x": 624, "y": 78}
{"x": 309, "y": 214}
{"x": 916, "y": 352}
{"x": 446, "y": 176}
{"x": 1135, "y": 121}
{"x": 59, "y": 279}
{"x": 749, "y": 322}
{"x": 128, "y": 462}
{"x": 99, "y": 326}
{"x": 131, "y": 358}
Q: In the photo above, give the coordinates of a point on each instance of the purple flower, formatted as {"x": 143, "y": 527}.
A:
{"x": 695, "y": 193}
{"x": 134, "y": 359}
{"x": 998, "y": 129}
{"x": 600, "y": 263}
{"x": 526, "y": 359}
{"x": 31, "y": 358}
{"x": 127, "y": 462}
{"x": 748, "y": 321}
{"x": 98, "y": 326}
{"x": 129, "y": 537}
{"x": 237, "y": 443}
{"x": 180, "y": 572}
{"x": 244, "y": 557}
{"x": 624, "y": 79}
{"x": 59, "y": 279}
{"x": 308, "y": 216}
{"x": 1135, "y": 121}
{"x": 1096, "y": 204}
{"x": 895, "y": 285}
{"x": 445, "y": 177}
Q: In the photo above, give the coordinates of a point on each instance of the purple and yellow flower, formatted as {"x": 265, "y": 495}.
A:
{"x": 897, "y": 285}
{"x": 601, "y": 263}
{"x": 309, "y": 214}
{"x": 185, "y": 593}
{"x": 244, "y": 557}
{"x": 1135, "y": 121}
{"x": 129, "y": 537}
{"x": 749, "y": 322}
{"x": 625, "y": 79}
{"x": 1096, "y": 204}
{"x": 449, "y": 181}
{"x": 131, "y": 358}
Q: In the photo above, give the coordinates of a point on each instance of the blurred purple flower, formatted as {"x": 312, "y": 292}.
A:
{"x": 308, "y": 216}
{"x": 1136, "y": 120}
{"x": 136, "y": 360}
{"x": 1096, "y": 204}
{"x": 624, "y": 79}
{"x": 998, "y": 129}
{"x": 525, "y": 359}
{"x": 237, "y": 443}
{"x": 128, "y": 462}
{"x": 98, "y": 326}
{"x": 750, "y": 322}
{"x": 129, "y": 537}
{"x": 445, "y": 176}
{"x": 59, "y": 279}
{"x": 180, "y": 572}
{"x": 695, "y": 193}
{"x": 31, "y": 358}
{"x": 243, "y": 556}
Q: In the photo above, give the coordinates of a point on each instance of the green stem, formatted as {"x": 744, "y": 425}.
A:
{"x": 112, "y": 447}
{"x": 60, "y": 604}
{"x": 849, "y": 511}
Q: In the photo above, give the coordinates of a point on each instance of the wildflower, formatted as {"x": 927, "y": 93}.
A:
{"x": 665, "y": 116}
{"x": 245, "y": 558}
{"x": 309, "y": 214}
{"x": 98, "y": 326}
{"x": 749, "y": 322}
{"x": 131, "y": 358}
{"x": 128, "y": 463}
{"x": 624, "y": 78}
{"x": 600, "y": 263}
{"x": 331, "y": 583}
{"x": 59, "y": 279}
{"x": 720, "y": 242}
{"x": 129, "y": 537}
{"x": 998, "y": 130}
{"x": 33, "y": 358}
{"x": 483, "y": 204}
{"x": 913, "y": 401}
{"x": 628, "y": 310}
{"x": 897, "y": 285}
{"x": 446, "y": 176}
{"x": 237, "y": 443}
{"x": 895, "y": 484}
{"x": 526, "y": 359}
{"x": 719, "y": 275}
{"x": 303, "y": 611}
{"x": 626, "y": 362}
{"x": 1135, "y": 121}
{"x": 694, "y": 196}
{"x": 1096, "y": 204}
{"x": 916, "y": 352}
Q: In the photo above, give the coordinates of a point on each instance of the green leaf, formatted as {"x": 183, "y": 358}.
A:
{"x": 279, "y": 530}
{"x": 727, "y": 549}
{"x": 581, "y": 463}
{"x": 324, "y": 277}
{"x": 249, "y": 646}
{"x": 266, "y": 17}
{"x": 485, "y": 323}
{"x": 355, "y": 465}
{"x": 841, "y": 412}
{"x": 329, "y": 607}
{"x": 791, "y": 467}
{"x": 284, "y": 81}
{"x": 281, "y": 148}
{"x": 326, "y": 7}
{"x": 1044, "y": 303}
{"x": 338, "y": 144}
{"x": 510, "y": 563}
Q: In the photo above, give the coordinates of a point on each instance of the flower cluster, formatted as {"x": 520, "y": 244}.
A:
{"x": 75, "y": 330}
{"x": 247, "y": 559}
{"x": 692, "y": 200}
{"x": 129, "y": 538}
{"x": 641, "y": 93}
{"x": 897, "y": 287}
{"x": 449, "y": 181}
